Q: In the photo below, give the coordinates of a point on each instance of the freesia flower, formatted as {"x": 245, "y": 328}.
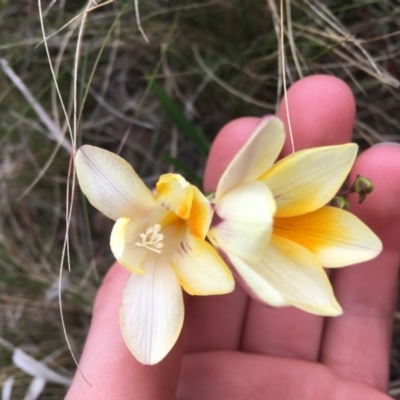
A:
{"x": 281, "y": 263}
{"x": 160, "y": 239}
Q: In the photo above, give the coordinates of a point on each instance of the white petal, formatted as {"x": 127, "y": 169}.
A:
{"x": 299, "y": 277}
{"x": 336, "y": 237}
{"x": 252, "y": 280}
{"x": 242, "y": 222}
{"x": 200, "y": 269}
{"x": 151, "y": 315}
{"x": 309, "y": 179}
{"x": 257, "y": 155}
{"x": 111, "y": 185}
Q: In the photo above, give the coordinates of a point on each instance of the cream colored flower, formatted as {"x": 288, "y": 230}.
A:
{"x": 281, "y": 262}
{"x": 160, "y": 240}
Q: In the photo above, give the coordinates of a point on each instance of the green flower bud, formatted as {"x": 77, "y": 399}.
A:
{"x": 340, "y": 202}
{"x": 363, "y": 186}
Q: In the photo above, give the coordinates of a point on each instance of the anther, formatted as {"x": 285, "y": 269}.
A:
{"x": 152, "y": 239}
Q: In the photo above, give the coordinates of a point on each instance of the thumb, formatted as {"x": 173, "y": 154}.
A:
{"x": 107, "y": 369}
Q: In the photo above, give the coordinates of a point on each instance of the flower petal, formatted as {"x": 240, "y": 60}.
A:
{"x": 124, "y": 236}
{"x": 201, "y": 214}
{"x": 151, "y": 315}
{"x": 200, "y": 269}
{"x": 110, "y": 184}
{"x": 336, "y": 237}
{"x": 242, "y": 222}
{"x": 307, "y": 180}
{"x": 257, "y": 155}
{"x": 175, "y": 194}
{"x": 252, "y": 280}
{"x": 298, "y": 277}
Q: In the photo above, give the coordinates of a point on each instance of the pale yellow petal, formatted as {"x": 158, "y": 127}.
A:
{"x": 110, "y": 184}
{"x": 152, "y": 311}
{"x": 336, "y": 237}
{"x": 242, "y": 221}
{"x": 200, "y": 214}
{"x": 298, "y": 276}
{"x": 175, "y": 194}
{"x": 309, "y": 179}
{"x": 117, "y": 240}
{"x": 253, "y": 281}
{"x": 200, "y": 269}
{"x": 257, "y": 155}
{"x": 124, "y": 236}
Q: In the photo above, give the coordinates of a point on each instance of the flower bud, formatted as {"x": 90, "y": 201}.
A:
{"x": 340, "y": 202}
{"x": 363, "y": 186}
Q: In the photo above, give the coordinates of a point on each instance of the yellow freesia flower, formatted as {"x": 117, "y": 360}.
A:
{"x": 160, "y": 239}
{"x": 281, "y": 263}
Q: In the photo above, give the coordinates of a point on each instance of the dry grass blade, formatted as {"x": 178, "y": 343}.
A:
{"x": 7, "y": 388}
{"x": 35, "y": 368}
{"x": 54, "y": 130}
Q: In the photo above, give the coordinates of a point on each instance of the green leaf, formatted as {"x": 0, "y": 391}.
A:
{"x": 173, "y": 111}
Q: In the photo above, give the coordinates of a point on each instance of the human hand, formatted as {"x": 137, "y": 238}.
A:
{"x": 232, "y": 347}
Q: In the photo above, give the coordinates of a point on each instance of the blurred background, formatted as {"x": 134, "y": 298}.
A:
{"x": 159, "y": 104}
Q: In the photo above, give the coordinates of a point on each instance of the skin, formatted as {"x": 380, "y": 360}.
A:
{"x": 232, "y": 347}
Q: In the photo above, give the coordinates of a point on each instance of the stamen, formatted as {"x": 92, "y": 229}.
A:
{"x": 152, "y": 239}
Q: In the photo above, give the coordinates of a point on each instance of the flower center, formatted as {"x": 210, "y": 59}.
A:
{"x": 152, "y": 239}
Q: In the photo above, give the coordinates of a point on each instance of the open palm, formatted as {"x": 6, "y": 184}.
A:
{"x": 232, "y": 347}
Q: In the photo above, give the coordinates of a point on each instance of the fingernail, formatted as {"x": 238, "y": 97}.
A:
{"x": 394, "y": 144}
{"x": 266, "y": 116}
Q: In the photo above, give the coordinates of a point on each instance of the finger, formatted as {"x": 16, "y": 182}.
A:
{"x": 321, "y": 113}
{"x": 228, "y": 142}
{"x": 238, "y": 376}
{"x": 107, "y": 369}
{"x": 215, "y": 322}
{"x": 357, "y": 344}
